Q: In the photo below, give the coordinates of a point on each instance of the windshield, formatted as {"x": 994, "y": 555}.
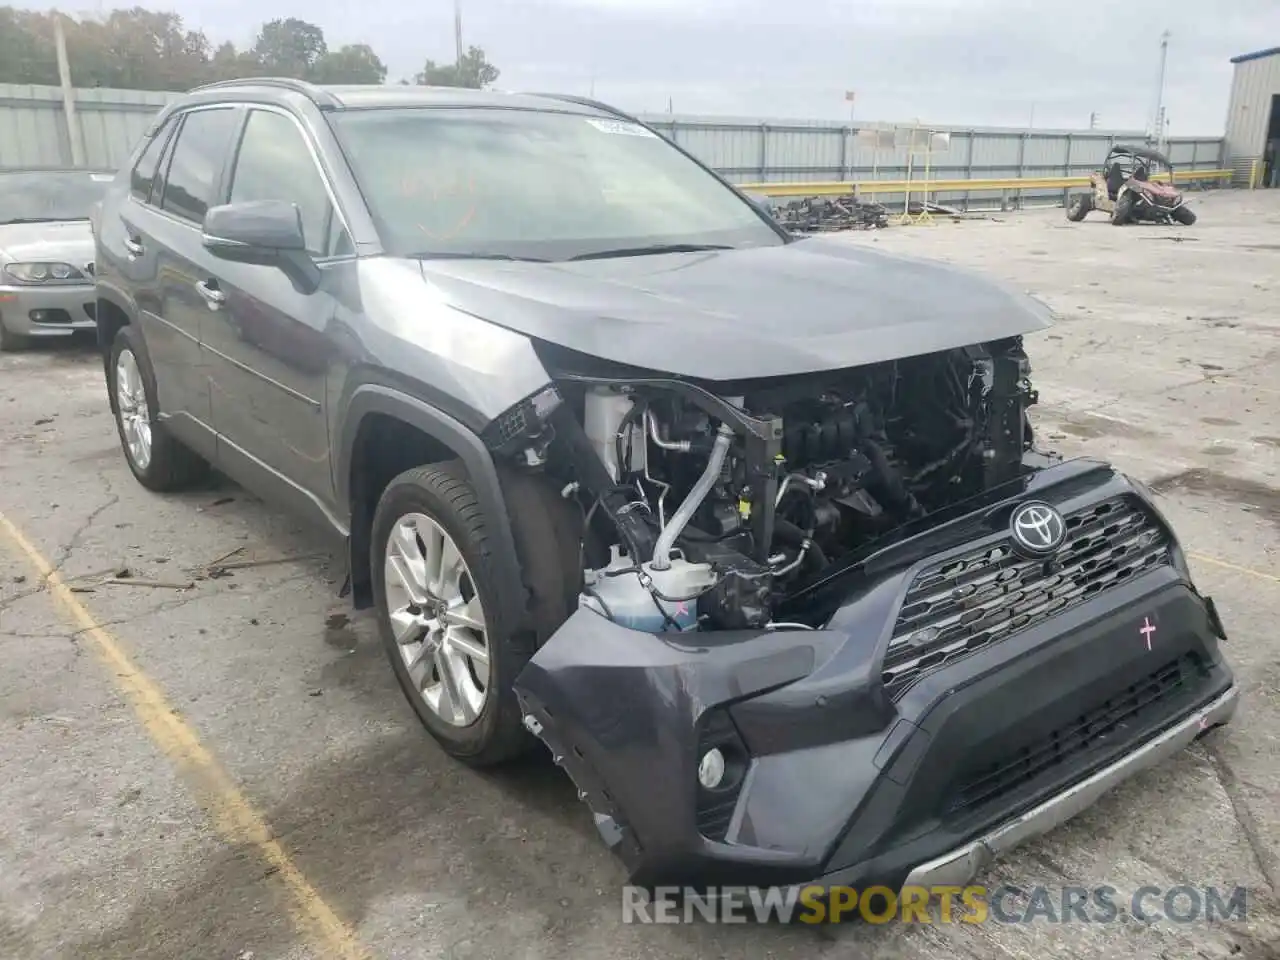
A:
{"x": 39, "y": 197}
{"x": 517, "y": 183}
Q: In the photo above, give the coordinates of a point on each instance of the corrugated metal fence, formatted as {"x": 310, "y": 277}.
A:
{"x": 33, "y": 133}
{"x": 33, "y": 127}
{"x": 754, "y": 151}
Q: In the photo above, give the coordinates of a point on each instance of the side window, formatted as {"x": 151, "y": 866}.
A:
{"x": 197, "y": 162}
{"x": 144, "y": 171}
{"x": 275, "y": 164}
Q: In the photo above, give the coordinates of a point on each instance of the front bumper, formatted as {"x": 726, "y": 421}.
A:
{"x": 959, "y": 866}
{"x": 843, "y": 783}
{"x": 50, "y": 310}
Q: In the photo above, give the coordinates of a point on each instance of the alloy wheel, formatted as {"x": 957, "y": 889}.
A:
{"x": 135, "y": 417}
{"x": 437, "y": 619}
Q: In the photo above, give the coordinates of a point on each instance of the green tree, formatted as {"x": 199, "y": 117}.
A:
{"x": 26, "y": 47}
{"x": 354, "y": 63}
{"x": 289, "y": 48}
{"x": 473, "y": 71}
{"x": 141, "y": 49}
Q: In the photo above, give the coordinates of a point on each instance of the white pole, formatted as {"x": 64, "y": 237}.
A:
{"x": 457, "y": 34}
{"x": 1159, "y": 117}
{"x": 68, "y": 92}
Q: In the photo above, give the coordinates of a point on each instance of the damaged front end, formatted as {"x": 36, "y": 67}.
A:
{"x": 809, "y": 640}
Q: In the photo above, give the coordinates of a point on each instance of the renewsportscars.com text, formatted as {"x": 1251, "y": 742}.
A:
{"x": 940, "y": 904}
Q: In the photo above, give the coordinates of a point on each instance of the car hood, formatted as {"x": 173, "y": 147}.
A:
{"x": 815, "y": 304}
{"x": 69, "y": 241}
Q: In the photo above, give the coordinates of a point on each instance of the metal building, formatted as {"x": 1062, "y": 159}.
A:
{"x": 1253, "y": 117}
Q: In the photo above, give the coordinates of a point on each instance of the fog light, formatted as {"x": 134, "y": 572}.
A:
{"x": 711, "y": 769}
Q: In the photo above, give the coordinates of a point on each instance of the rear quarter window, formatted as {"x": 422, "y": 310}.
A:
{"x": 143, "y": 177}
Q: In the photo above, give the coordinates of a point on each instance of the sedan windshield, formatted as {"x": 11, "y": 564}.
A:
{"x": 521, "y": 184}
{"x": 44, "y": 196}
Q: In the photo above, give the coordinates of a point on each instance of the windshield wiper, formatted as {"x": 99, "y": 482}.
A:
{"x": 431, "y": 255}
{"x": 651, "y": 250}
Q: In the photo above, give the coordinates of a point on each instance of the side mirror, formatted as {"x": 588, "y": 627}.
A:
{"x": 261, "y": 231}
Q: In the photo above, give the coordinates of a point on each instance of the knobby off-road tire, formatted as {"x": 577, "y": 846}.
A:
{"x": 160, "y": 462}
{"x": 1184, "y": 215}
{"x": 1078, "y": 207}
{"x": 1124, "y": 211}
{"x": 547, "y": 550}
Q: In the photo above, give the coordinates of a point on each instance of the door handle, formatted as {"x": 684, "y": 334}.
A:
{"x": 212, "y": 295}
{"x": 133, "y": 247}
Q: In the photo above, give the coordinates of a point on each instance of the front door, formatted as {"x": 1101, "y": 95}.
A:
{"x": 267, "y": 338}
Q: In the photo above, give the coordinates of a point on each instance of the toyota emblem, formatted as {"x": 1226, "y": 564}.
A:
{"x": 1038, "y": 529}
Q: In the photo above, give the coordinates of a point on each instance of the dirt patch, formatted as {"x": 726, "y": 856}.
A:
{"x": 1269, "y": 441}
{"x": 1220, "y": 421}
{"x": 1090, "y": 426}
{"x": 1248, "y": 493}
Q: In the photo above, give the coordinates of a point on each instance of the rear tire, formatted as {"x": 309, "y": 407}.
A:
{"x": 1184, "y": 215}
{"x": 1078, "y": 207}
{"x": 160, "y": 463}
{"x": 1123, "y": 212}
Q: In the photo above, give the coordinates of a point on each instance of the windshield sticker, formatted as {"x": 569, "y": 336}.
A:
{"x": 102, "y": 177}
{"x": 621, "y": 127}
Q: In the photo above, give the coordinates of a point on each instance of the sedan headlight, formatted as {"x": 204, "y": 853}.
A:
{"x": 42, "y": 272}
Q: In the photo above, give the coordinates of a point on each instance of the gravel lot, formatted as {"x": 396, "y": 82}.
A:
{"x": 313, "y": 818}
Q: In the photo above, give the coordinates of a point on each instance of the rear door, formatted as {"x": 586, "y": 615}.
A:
{"x": 131, "y": 246}
{"x": 269, "y": 345}
{"x": 164, "y": 242}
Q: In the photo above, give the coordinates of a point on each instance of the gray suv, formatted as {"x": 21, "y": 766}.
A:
{"x": 749, "y": 530}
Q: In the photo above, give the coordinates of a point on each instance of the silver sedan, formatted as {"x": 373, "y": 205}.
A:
{"x": 46, "y": 253}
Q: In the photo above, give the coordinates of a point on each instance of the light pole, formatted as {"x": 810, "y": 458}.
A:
{"x": 1158, "y": 128}
{"x": 457, "y": 35}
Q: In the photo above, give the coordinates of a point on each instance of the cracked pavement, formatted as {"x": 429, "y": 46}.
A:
{"x": 1165, "y": 360}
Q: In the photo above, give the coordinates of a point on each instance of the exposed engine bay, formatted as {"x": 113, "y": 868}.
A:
{"x": 717, "y": 506}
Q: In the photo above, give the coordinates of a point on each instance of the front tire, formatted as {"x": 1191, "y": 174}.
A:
{"x": 1078, "y": 207}
{"x": 158, "y": 461}
{"x": 1123, "y": 212}
{"x": 11, "y": 342}
{"x": 1184, "y": 215}
{"x": 441, "y": 615}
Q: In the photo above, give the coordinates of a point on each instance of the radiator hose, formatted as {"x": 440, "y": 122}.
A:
{"x": 680, "y": 519}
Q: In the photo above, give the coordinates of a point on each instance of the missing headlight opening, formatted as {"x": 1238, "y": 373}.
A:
{"x": 714, "y": 506}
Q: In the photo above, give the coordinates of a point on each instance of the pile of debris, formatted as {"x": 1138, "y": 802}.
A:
{"x": 822, "y": 214}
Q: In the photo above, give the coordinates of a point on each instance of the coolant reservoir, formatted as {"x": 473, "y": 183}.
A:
{"x": 602, "y": 414}
{"x": 618, "y": 594}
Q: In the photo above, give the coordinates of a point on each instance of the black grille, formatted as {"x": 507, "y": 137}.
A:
{"x": 1089, "y": 728}
{"x": 955, "y": 608}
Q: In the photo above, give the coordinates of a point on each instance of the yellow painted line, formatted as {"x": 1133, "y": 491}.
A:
{"x": 1228, "y": 565}
{"x": 234, "y": 816}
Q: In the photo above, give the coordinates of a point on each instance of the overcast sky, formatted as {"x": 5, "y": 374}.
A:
{"x": 980, "y": 62}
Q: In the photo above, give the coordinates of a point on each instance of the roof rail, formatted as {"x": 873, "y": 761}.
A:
{"x": 318, "y": 96}
{"x": 588, "y": 102}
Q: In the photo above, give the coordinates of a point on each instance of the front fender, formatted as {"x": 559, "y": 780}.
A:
{"x": 378, "y": 399}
